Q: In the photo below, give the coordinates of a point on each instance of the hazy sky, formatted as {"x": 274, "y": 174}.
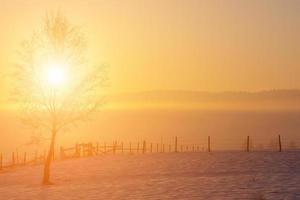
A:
{"x": 173, "y": 44}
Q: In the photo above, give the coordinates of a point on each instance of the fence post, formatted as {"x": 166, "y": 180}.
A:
{"x": 157, "y": 145}
{"x": 24, "y": 160}
{"x": 138, "y": 147}
{"x": 208, "y": 144}
{"x": 144, "y": 147}
{"x": 122, "y": 147}
{"x": 130, "y": 147}
{"x": 169, "y": 148}
{"x": 163, "y": 150}
{"x": 83, "y": 149}
{"x": 17, "y": 157}
{"x": 77, "y": 150}
{"x": 176, "y": 145}
{"x": 97, "y": 148}
{"x": 13, "y": 159}
{"x": 1, "y": 161}
{"x": 114, "y": 147}
{"x": 279, "y": 143}
{"x": 151, "y": 147}
{"x": 90, "y": 149}
{"x": 248, "y": 143}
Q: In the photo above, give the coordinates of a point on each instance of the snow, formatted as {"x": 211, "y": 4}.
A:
{"x": 201, "y": 175}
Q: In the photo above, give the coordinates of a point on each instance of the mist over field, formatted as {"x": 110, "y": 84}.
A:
{"x": 159, "y": 116}
{"x": 183, "y": 99}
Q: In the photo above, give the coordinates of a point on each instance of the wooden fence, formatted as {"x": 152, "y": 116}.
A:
{"x": 22, "y": 160}
{"x": 91, "y": 149}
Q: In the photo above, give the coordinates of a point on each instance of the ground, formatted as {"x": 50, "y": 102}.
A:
{"x": 217, "y": 175}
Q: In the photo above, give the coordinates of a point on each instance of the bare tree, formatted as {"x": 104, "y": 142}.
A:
{"x": 54, "y": 84}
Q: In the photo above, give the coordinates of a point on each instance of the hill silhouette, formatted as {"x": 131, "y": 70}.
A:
{"x": 272, "y": 99}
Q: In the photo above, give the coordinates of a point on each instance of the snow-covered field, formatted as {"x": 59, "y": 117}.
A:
{"x": 217, "y": 175}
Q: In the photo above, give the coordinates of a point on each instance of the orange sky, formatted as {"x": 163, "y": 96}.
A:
{"x": 173, "y": 44}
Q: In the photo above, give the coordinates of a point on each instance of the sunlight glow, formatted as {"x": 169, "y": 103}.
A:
{"x": 55, "y": 74}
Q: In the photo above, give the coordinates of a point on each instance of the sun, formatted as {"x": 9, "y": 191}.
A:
{"x": 55, "y": 74}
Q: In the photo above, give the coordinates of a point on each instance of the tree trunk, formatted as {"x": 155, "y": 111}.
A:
{"x": 46, "y": 178}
